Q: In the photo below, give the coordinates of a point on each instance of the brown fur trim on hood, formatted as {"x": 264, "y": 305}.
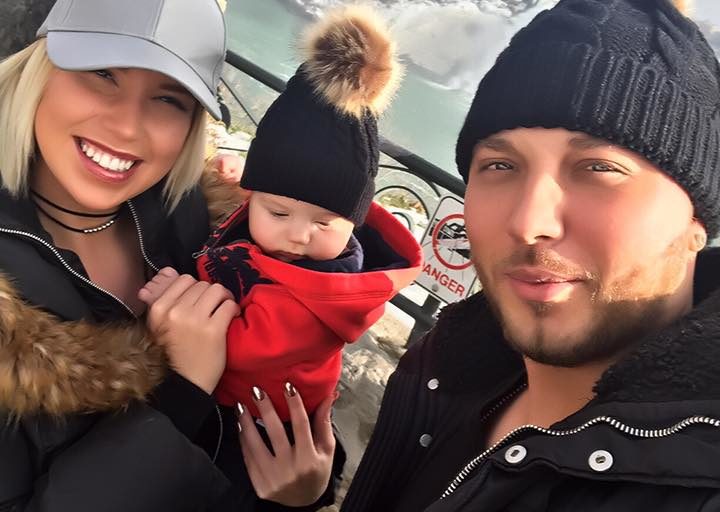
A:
{"x": 55, "y": 367}
{"x": 222, "y": 197}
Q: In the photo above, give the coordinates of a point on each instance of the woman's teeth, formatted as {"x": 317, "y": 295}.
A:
{"x": 105, "y": 160}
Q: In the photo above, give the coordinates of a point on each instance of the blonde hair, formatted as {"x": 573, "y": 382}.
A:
{"x": 23, "y": 77}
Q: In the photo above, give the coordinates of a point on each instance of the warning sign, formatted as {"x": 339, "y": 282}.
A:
{"x": 447, "y": 272}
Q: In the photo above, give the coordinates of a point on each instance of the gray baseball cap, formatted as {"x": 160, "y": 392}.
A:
{"x": 183, "y": 39}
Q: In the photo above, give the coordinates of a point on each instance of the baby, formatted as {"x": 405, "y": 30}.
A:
{"x": 310, "y": 259}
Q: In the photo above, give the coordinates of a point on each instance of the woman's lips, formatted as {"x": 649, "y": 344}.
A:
{"x": 100, "y": 172}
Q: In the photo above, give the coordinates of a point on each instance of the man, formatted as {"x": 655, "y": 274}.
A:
{"x": 585, "y": 377}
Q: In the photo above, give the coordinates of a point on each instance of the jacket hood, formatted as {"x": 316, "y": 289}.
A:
{"x": 341, "y": 300}
{"x": 681, "y": 362}
{"x": 58, "y": 367}
{"x": 677, "y": 364}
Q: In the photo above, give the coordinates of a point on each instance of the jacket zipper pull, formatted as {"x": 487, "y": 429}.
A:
{"x": 197, "y": 254}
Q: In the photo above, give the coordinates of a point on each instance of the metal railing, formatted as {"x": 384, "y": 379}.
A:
{"x": 413, "y": 164}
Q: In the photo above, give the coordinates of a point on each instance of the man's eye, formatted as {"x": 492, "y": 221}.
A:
{"x": 323, "y": 223}
{"x": 497, "y": 166}
{"x": 278, "y": 214}
{"x": 602, "y": 167}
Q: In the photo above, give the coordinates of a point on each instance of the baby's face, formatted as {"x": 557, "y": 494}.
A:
{"x": 288, "y": 229}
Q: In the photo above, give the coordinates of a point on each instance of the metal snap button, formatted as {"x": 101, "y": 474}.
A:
{"x": 425, "y": 440}
{"x": 433, "y": 384}
{"x": 515, "y": 454}
{"x": 600, "y": 460}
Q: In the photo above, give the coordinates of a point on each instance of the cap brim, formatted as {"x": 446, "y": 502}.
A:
{"x": 85, "y": 51}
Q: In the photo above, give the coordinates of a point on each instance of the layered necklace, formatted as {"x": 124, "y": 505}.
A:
{"x": 87, "y": 231}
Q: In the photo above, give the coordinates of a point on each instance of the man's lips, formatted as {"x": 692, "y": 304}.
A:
{"x": 540, "y": 285}
{"x": 538, "y": 276}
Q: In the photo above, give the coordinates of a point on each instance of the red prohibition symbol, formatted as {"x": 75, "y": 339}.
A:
{"x": 450, "y": 233}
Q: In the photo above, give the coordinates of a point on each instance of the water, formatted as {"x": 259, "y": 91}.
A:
{"x": 446, "y": 46}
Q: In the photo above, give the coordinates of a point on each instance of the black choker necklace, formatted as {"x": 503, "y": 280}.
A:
{"x": 73, "y": 212}
{"x": 114, "y": 216}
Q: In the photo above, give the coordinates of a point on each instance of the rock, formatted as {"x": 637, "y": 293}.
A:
{"x": 367, "y": 365}
{"x": 19, "y": 21}
{"x": 366, "y": 369}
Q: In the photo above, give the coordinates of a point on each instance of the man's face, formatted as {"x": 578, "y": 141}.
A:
{"x": 581, "y": 246}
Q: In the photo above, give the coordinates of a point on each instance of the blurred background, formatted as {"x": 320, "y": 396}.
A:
{"x": 446, "y": 46}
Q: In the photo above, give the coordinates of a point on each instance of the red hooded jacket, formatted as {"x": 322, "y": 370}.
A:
{"x": 294, "y": 321}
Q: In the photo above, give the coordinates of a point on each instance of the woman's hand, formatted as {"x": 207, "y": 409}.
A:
{"x": 190, "y": 318}
{"x": 297, "y": 475}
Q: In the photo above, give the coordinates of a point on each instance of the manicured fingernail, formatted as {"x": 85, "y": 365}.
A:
{"x": 290, "y": 389}
{"x": 241, "y": 409}
{"x": 258, "y": 393}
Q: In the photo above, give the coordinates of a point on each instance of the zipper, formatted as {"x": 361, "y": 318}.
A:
{"x": 197, "y": 254}
{"x": 214, "y": 244}
{"x": 67, "y": 266}
{"x": 220, "y": 433}
{"x": 221, "y": 232}
{"x": 136, "y": 220}
{"x": 78, "y": 275}
{"x": 473, "y": 463}
{"x": 502, "y": 402}
{"x": 608, "y": 420}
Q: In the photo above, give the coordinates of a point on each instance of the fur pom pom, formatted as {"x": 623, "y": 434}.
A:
{"x": 350, "y": 60}
{"x": 683, "y": 6}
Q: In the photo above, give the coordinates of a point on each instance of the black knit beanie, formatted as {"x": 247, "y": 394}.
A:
{"x": 318, "y": 142}
{"x": 635, "y": 72}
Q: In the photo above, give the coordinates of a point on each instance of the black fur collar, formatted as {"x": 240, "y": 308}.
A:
{"x": 681, "y": 363}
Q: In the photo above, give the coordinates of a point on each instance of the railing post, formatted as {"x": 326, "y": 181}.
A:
{"x": 429, "y": 308}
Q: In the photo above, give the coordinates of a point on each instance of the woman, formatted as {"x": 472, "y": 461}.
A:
{"x": 101, "y": 150}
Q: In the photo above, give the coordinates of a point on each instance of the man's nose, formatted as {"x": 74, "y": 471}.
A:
{"x": 538, "y": 212}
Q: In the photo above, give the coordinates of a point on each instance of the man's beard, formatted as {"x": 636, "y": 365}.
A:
{"x": 622, "y": 313}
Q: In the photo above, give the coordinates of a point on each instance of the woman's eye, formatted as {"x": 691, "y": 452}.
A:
{"x": 105, "y": 74}
{"x": 278, "y": 214}
{"x": 322, "y": 223}
{"x": 170, "y": 100}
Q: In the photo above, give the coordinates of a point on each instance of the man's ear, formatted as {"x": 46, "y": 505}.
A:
{"x": 698, "y": 236}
